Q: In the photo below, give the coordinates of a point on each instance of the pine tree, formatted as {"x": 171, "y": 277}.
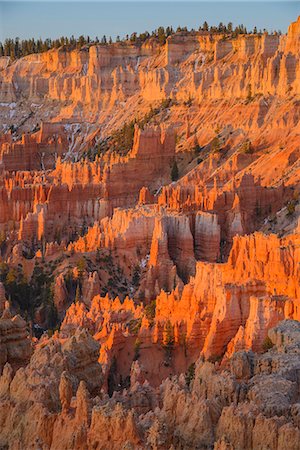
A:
{"x": 216, "y": 145}
{"x": 133, "y": 37}
{"x": 77, "y": 294}
{"x": 161, "y": 35}
{"x": 174, "y": 172}
{"x": 81, "y": 267}
{"x": 221, "y": 27}
{"x": 136, "y": 276}
{"x": 168, "y": 340}
{"x": 249, "y": 93}
{"x": 205, "y": 26}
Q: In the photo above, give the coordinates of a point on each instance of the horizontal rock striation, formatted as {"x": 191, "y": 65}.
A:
{"x": 152, "y": 221}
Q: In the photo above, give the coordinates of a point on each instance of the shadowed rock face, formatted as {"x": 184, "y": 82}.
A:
{"x": 212, "y": 406}
{"x": 15, "y": 344}
{"x": 150, "y": 246}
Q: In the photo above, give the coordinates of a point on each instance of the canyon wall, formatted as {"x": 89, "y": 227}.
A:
{"x": 149, "y": 209}
{"x": 100, "y": 75}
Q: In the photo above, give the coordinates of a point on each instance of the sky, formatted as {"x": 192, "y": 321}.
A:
{"x": 26, "y": 19}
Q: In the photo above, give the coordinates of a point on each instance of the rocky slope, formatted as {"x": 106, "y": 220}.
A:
{"x": 150, "y": 245}
{"x": 251, "y": 403}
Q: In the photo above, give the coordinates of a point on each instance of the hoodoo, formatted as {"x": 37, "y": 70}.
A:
{"x": 150, "y": 241}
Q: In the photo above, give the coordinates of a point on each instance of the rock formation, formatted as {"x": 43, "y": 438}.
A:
{"x": 150, "y": 245}
{"x": 15, "y": 344}
{"x": 227, "y": 408}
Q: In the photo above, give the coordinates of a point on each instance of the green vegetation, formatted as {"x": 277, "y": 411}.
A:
{"x": 29, "y": 295}
{"x": 81, "y": 265}
{"x": 121, "y": 141}
{"x": 174, "y": 172}
{"x": 197, "y": 149}
{"x": 215, "y": 359}
{"x": 246, "y": 147}
{"x": 216, "y": 145}
{"x": 134, "y": 326}
{"x": 168, "y": 341}
{"x": 150, "y": 311}
{"x": 17, "y": 48}
{"x": 137, "y": 346}
{"x": 189, "y": 101}
{"x": 2, "y": 240}
{"x": 136, "y": 276}
{"x": 75, "y": 285}
{"x": 267, "y": 344}
{"x": 249, "y": 93}
{"x": 160, "y": 34}
{"x": 70, "y": 282}
{"x": 291, "y": 207}
{"x": 117, "y": 284}
{"x": 183, "y": 342}
{"x": 16, "y": 285}
{"x": 190, "y": 374}
{"x": 77, "y": 294}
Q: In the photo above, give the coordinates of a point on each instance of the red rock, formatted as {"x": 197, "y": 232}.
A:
{"x": 210, "y": 262}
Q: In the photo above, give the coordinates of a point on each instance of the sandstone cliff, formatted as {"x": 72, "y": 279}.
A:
{"x": 149, "y": 206}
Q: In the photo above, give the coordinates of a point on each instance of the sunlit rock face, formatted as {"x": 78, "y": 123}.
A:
{"x": 103, "y": 75}
{"x": 150, "y": 246}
